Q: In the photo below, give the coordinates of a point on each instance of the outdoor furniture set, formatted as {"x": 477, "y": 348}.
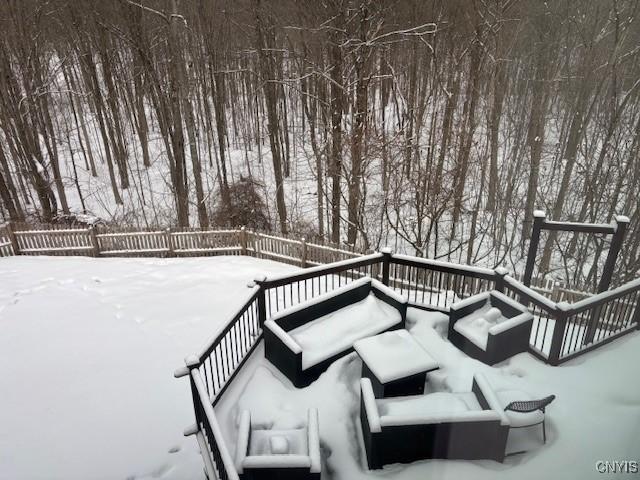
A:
{"x": 400, "y": 423}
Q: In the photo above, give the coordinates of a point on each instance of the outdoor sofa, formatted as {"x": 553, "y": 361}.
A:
{"x": 469, "y": 426}
{"x": 304, "y": 340}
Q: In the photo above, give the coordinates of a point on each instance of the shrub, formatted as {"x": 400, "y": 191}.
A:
{"x": 247, "y": 208}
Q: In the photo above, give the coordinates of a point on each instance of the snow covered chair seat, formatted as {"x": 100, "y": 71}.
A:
{"x": 264, "y": 454}
{"x": 304, "y": 340}
{"x": 444, "y": 425}
{"x": 490, "y": 327}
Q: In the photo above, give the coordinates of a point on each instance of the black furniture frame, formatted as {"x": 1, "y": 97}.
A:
{"x": 443, "y": 438}
{"x": 289, "y": 360}
{"x": 499, "y": 346}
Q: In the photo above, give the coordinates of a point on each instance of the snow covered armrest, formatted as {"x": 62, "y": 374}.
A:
{"x": 313, "y": 432}
{"x": 369, "y": 404}
{"x": 464, "y": 307}
{"x": 511, "y": 323}
{"x": 283, "y": 336}
{"x": 487, "y": 397}
{"x": 244, "y": 435}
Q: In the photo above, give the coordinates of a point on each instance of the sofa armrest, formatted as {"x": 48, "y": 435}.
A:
{"x": 313, "y": 440}
{"x": 370, "y": 407}
{"x": 244, "y": 436}
{"x": 487, "y": 397}
{"x": 510, "y": 323}
{"x": 466, "y": 306}
{"x": 283, "y": 336}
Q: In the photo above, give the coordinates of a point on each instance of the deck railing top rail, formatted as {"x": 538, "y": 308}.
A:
{"x": 311, "y": 272}
{"x": 600, "y": 298}
{"x": 439, "y": 265}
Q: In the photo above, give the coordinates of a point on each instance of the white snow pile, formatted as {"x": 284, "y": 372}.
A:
{"x": 87, "y": 353}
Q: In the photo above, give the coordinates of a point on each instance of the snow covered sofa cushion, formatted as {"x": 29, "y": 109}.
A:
{"x": 490, "y": 327}
{"x": 304, "y": 340}
{"x": 264, "y": 454}
{"x": 469, "y": 425}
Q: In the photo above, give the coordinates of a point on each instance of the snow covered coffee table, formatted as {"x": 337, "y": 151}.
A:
{"x": 395, "y": 363}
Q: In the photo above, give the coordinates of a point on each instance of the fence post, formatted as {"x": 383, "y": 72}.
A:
{"x": 243, "y": 241}
{"x": 262, "y": 304}
{"x": 303, "y": 253}
{"x": 561, "y": 315}
{"x": 636, "y": 315}
{"x": 13, "y": 239}
{"x": 538, "y": 221}
{"x": 169, "y": 240}
{"x": 622, "y": 223}
{"x": 386, "y": 261}
{"x": 94, "y": 241}
{"x": 500, "y": 272}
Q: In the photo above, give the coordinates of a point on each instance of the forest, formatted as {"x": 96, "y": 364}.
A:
{"x": 434, "y": 126}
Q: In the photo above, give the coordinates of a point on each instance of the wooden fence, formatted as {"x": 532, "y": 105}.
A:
{"x": 110, "y": 242}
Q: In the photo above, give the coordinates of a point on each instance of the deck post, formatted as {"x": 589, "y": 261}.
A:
{"x": 303, "y": 253}
{"x": 500, "y": 273}
{"x": 262, "y": 303}
{"x": 622, "y": 223}
{"x": 539, "y": 218}
{"x": 386, "y": 261}
{"x": 93, "y": 237}
{"x": 12, "y": 238}
{"x": 560, "y": 315}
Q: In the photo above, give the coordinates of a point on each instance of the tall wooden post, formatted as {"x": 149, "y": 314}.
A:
{"x": 622, "y": 223}
{"x": 538, "y": 222}
{"x": 95, "y": 246}
{"x": 243, "y": 241}
{"x": 303, "y": 253}
{"x": 386, "y": 262}
{"x": 262, "y": 303}
{"x": 13, "y": 239}
{"x": 169, "y": 241}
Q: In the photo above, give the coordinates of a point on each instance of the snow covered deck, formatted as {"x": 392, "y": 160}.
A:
{"x": 87, "y": 352}
{"x": 602, "y": 416}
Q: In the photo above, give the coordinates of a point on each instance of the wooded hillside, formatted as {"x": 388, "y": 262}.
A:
{"x": 435, "y": 126}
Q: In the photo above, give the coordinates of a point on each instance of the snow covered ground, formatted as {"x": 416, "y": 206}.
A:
{"x": 88, "y": 348}
{"x": 87, "y": 353}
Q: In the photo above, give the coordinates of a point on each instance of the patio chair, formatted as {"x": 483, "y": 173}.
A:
{"x": 523, "y": 412}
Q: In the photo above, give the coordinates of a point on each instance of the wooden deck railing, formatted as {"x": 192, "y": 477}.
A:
{"x": 560, "y": 330}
